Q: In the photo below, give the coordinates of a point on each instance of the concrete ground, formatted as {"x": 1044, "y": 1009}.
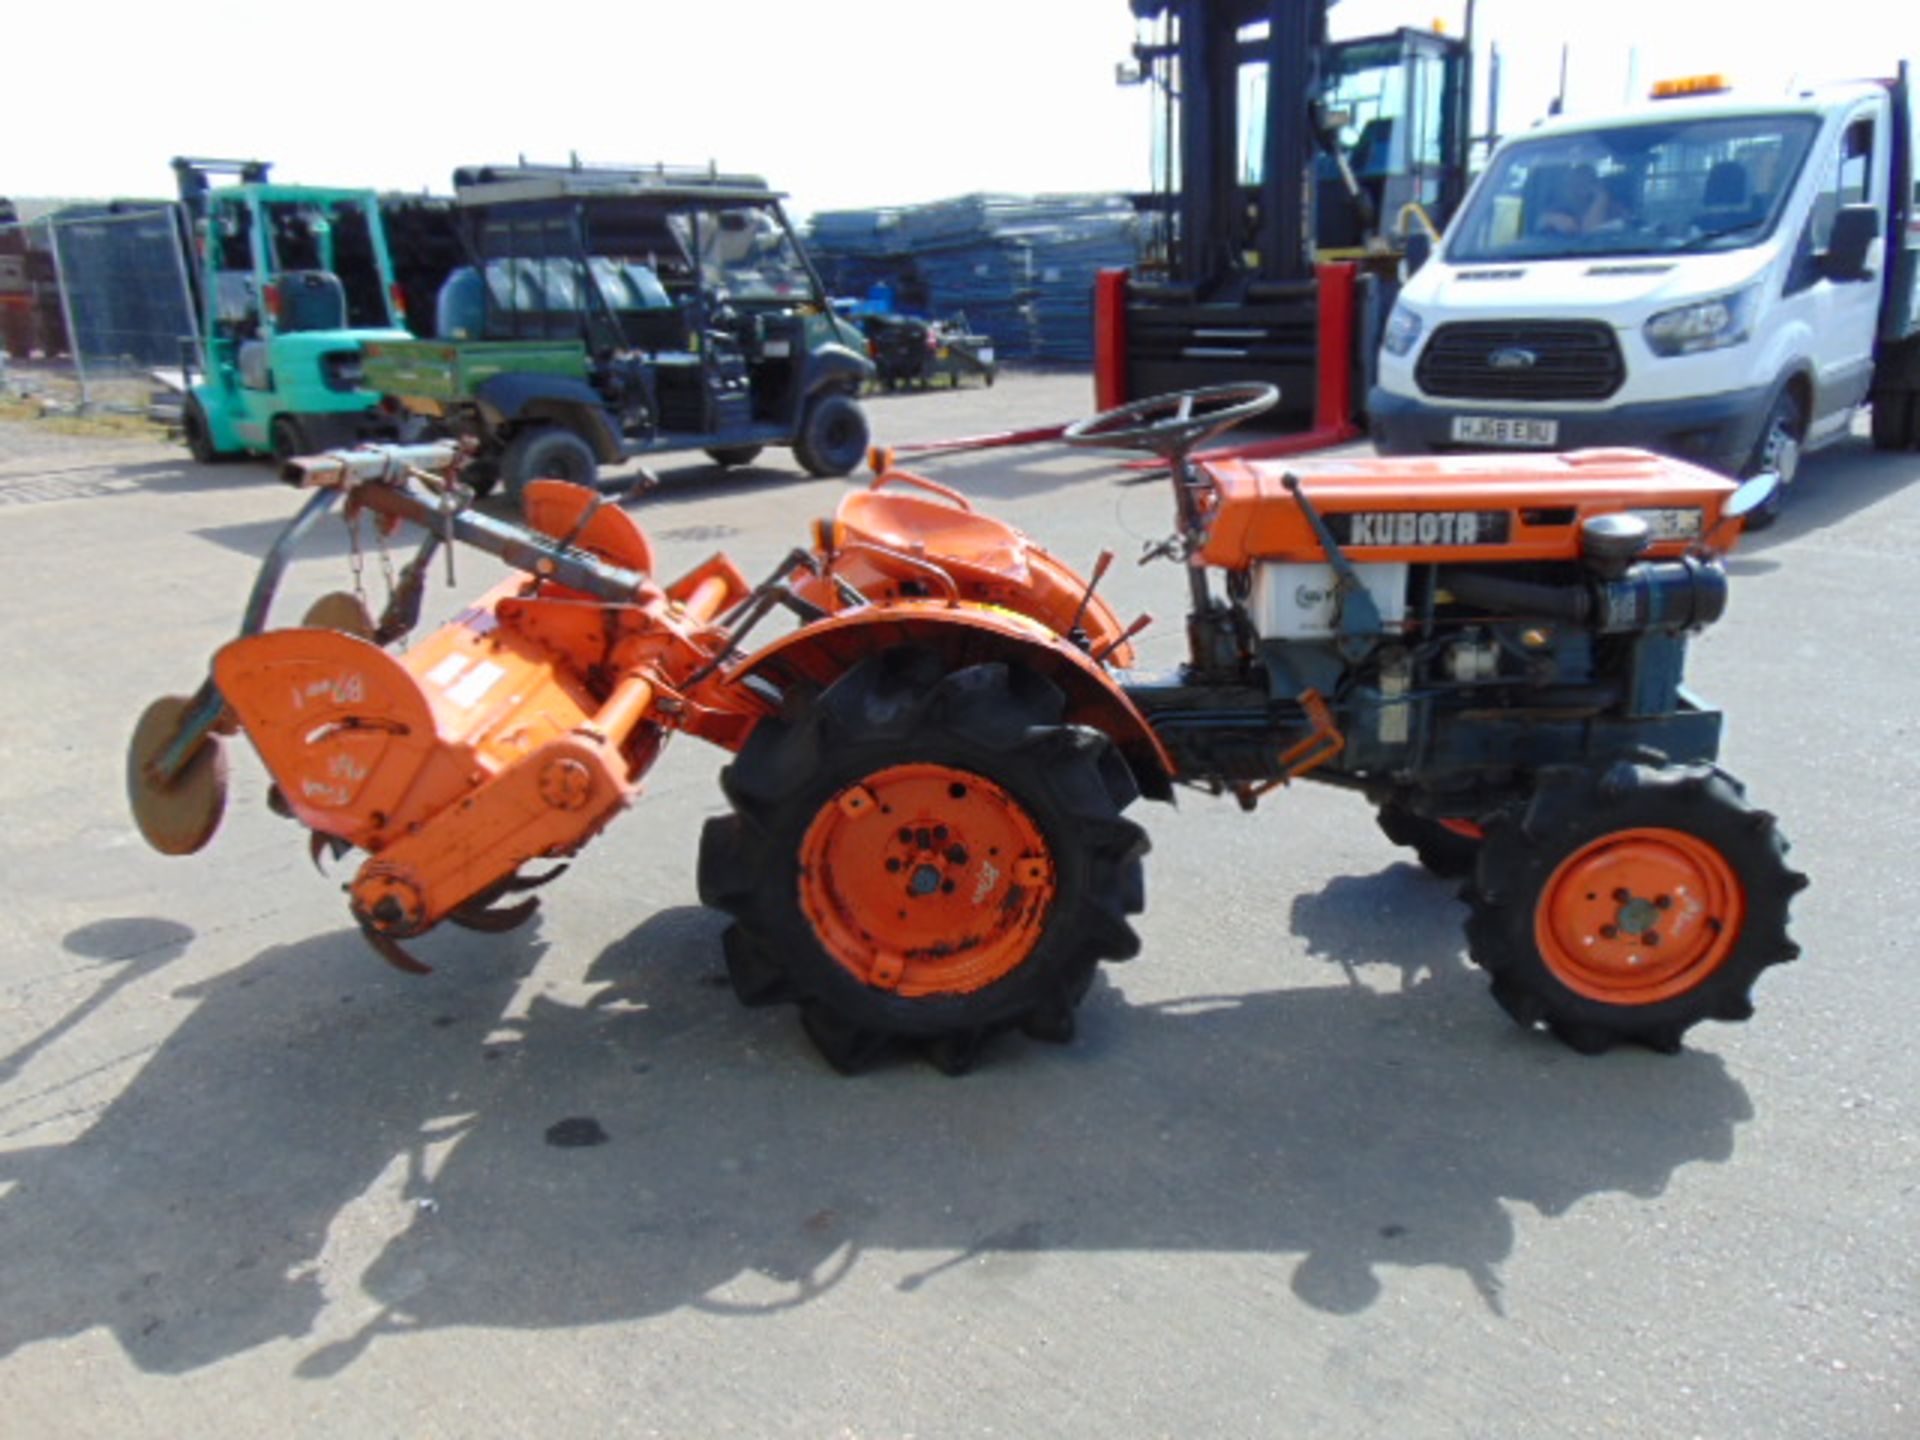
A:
{"x": 1297, "y": 1176}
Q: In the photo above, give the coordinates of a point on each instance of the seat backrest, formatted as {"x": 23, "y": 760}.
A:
{"x": 1726, "y": 187}
{"x": 311, "y": 300}
{"x": 460, "y": 309}
{"x": 1545, "y": 189}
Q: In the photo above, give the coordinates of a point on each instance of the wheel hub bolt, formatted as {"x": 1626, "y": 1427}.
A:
{"x": 925, "y": 880}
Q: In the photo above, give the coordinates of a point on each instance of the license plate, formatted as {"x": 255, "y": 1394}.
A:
{"x": 777, "y": 349}
{"x": 986, "y": 354}
{"x": 1500, "y": 430}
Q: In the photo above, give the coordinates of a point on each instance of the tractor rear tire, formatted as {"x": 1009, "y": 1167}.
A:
{"x": 833, "y": 436}
{"x": 547, "y": 452}
{"x": 1631, "y": 904}
{"x": 1445, "y": 851}
{"x": 924, "y": 855}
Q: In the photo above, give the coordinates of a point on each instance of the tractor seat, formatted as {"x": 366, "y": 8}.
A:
{"x": 957, "y": 538}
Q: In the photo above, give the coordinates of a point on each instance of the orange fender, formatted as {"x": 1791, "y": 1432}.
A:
{"x": 967, "y": 635}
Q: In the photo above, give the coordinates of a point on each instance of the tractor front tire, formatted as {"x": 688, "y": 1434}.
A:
{"x": 833, "y": 436}
{"x": 1631, "y": 904}
{"x": 1447, "y": 851}
{"x": 924, "y": 855}
{"x": 547, "y": 452}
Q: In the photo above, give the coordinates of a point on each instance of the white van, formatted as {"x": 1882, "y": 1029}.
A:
{"x": 1721, "y": 278}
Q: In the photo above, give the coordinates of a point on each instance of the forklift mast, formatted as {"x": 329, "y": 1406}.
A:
{"x": 1290, "y": 167}
{"x": 1211, "y": 41}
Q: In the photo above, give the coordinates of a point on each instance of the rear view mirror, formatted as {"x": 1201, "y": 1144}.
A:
{"x": 1419, "y": 251}
{"x": 1855, "y": 228}
{"x": 1750, "y": 496}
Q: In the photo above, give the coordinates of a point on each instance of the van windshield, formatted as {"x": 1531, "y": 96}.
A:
{"x": 1655, "y": 187}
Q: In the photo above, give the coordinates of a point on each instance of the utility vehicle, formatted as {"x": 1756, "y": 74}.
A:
{"x": 611, "y": 314}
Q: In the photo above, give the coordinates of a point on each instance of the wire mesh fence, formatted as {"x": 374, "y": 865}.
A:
{"x": 94, "y": 306}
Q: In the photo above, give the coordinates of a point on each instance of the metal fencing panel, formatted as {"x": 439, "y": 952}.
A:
{"x": 93, "y": 304}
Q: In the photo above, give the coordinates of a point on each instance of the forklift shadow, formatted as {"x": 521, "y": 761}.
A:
{"x": 319, "y": 1138}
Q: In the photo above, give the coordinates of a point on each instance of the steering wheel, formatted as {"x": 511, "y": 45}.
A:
{"x": 1172, "y": 425}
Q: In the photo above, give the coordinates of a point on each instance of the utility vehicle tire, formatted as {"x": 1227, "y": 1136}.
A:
{"x": 547, "y": 452}
{"x": 728, "y": 456}
{"x": 198, "y": 434}
{"x": 925, "y": 855}
{"x": 1630, "y": 904}
{"x": 833, "y": 436}
{"x": 285, "y": 439}
{"x": 1443, "y": 849}
{"x": 1892, "y": 415}
{"x": 1778, "y": 449}
{"x": 481, "y": 475}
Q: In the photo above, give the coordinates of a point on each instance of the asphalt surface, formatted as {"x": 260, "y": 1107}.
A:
{"x": 1296, "y": 1176}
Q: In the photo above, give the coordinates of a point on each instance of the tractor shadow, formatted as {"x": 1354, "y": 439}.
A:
{"x": 325, "y": 1152}
{"x": 128, "y": 950}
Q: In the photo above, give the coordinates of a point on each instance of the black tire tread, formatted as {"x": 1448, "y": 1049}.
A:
{"x": 1567, "y": 809}
{"x": 1001, "y": 721}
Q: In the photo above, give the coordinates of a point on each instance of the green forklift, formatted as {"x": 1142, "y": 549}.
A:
{"x": 606, "y": 314}
{"x": 289, "y": 282}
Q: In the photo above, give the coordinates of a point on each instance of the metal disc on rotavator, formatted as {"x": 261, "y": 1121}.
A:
{"x": 340, "y": 610}
{"x": 179, "y": 818}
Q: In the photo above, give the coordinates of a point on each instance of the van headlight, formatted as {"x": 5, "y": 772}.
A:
{"x": 1703, "y": 325}
{"x": 1403, "y": 330}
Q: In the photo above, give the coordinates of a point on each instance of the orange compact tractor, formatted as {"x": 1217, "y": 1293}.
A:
{"x": 928, "y": 838}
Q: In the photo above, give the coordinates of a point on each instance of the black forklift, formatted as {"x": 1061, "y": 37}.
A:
{"x": 1291, "y": 170}
{"x": 606, "y": 314}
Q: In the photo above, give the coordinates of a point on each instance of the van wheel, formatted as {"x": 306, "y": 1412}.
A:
{"x": 833, "y": 436}
{"x": 1893, "y": 417}
{"x": 1779, "y": 451}
{"x": 547, "y": 452}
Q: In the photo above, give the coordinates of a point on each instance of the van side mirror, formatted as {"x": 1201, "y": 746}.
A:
{"x": 1419, "y": 251}
{"x": 1855, "y": 228}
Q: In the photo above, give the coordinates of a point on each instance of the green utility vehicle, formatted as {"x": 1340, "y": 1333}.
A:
{"x": 289, "y": 282}
{"x": 606, "y": 314}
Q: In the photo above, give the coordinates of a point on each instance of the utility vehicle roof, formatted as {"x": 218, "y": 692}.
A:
{"x": 506, "y": 184}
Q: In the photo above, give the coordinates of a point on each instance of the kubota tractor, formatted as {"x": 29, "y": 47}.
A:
{"x": 928, "y": 839}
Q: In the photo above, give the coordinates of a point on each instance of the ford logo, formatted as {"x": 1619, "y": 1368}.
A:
{"x": 1513, "y": 359}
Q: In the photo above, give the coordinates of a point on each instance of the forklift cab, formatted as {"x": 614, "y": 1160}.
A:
{"x": 1391, "y": 106}
{"x": 289, "y": 280}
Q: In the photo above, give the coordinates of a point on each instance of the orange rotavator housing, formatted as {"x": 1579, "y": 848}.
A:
{"x": 927, "y": 839}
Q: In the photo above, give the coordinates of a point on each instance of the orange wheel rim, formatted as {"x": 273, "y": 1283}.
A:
{"x": 926, "y": 880}
{"x": 1639, "y": 916}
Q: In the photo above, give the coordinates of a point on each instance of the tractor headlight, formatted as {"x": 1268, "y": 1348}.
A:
{"x": 1703, "y": 325}
{"x": 1403, "y": 330}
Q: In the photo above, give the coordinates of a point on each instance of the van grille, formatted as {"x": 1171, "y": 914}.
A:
{"x": 1525, "y": 360}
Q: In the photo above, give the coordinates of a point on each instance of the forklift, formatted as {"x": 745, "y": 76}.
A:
{"x": 1291, "y": 170}
{"x": 289, "y": 283}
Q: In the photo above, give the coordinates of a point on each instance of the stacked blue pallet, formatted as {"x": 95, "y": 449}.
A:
{"x": 1020, "y": 268}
